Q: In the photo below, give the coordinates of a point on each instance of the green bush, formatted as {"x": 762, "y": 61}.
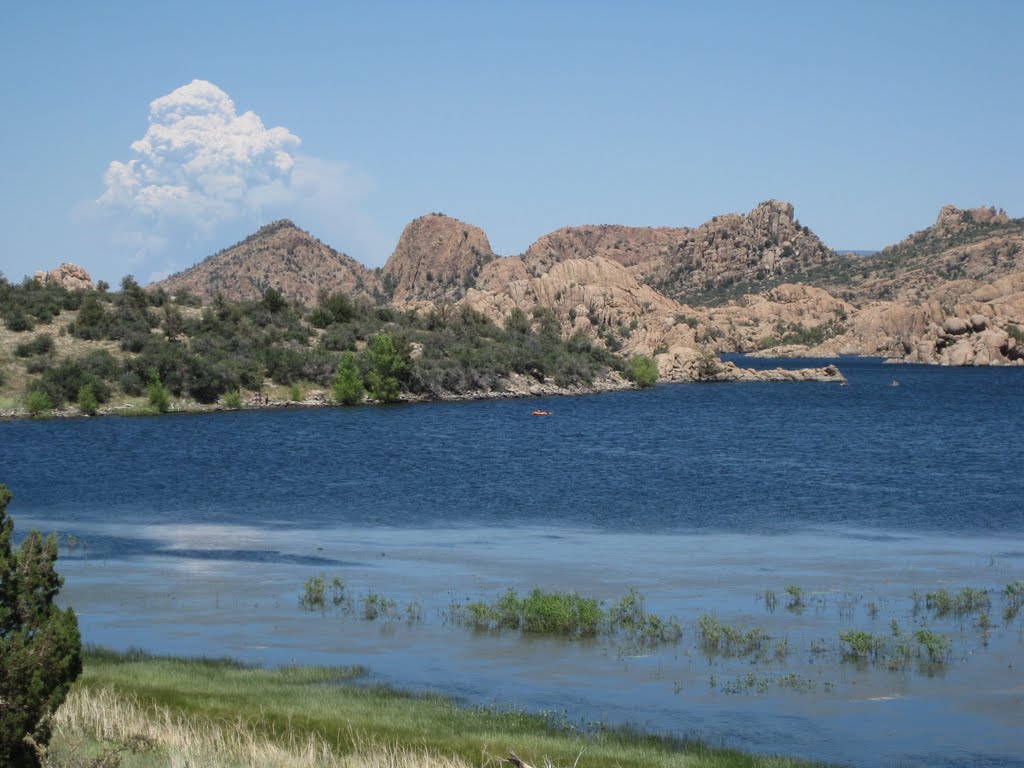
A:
{"x": 642, "y": 371}
{"x": 37, "y": 402}
{"x": 91, "y": 322}
{"x": 87, "y": 402}
{"x": 209, "y": 378}
{"x": 40, "y": 646}
{"x": 233, "y": 399}
{"x": 16, "y": 320}
{"x": 284, "y": 364}
{"x": 64, "y": 380}
{"x": 348, "y": 384}
{"x": 158, "y": 396}
{"x": 336, "y": 308}
{"x": 40, "y": 345}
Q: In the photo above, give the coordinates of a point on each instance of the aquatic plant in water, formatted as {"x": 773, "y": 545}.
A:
{"x": 570, "y": 615}
{"x": 317, "y": 592}
{"x": 1013, "y": 599}
{"x": 717, "y": 637}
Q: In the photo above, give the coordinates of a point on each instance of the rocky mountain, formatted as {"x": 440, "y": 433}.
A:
{"x": 725, "y": 257}
{"x": 279, "y": 255}
{"x": 977, "y": 245}
{"x": 437, "y": 259}
{"x": 952, "y": 293}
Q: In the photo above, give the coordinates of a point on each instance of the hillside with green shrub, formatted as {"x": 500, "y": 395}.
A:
{"x": 148, "y": 351}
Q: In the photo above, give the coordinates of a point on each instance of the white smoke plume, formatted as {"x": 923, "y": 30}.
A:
{"x": 200, "y": 161}
{"x": 203, "y": 176}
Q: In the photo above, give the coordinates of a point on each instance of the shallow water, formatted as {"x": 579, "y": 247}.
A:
{"x": 194, "y": 535}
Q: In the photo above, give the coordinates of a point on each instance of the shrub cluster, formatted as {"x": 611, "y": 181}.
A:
{"x": 352, "y": 346}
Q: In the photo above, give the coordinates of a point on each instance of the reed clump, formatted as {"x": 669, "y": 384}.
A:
{"x": 569, "y": 614}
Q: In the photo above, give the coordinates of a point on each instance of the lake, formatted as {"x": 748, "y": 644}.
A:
{"x": 195, "y": 534}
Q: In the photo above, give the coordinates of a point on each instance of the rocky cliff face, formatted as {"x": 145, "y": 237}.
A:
{"x": 437, "y": 259}
{"x": 950, "y": 294}
{"x": 697, "y": 265}
{"x": 279, "y": 256}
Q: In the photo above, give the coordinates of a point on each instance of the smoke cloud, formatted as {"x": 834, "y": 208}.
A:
{"x": 201, "y": 166}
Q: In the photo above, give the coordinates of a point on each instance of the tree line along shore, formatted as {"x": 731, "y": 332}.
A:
{"x": 138, "y": 351}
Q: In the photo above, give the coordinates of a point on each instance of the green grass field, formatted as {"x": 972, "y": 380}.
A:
{"x": 138, "y": 711}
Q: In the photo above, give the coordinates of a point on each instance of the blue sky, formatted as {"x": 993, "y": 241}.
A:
{"x": 518, "y": 117}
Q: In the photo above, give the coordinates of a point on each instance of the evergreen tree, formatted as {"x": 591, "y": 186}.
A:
{"x": 348, "y": 384}
{"x": 40, "y": 647}
{"x": 87, "y": 401}
{"x": 386, "y": 363}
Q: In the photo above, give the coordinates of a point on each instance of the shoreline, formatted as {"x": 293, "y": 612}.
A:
{"x": 519, "y": 387}
{"x": 327, "y": 711}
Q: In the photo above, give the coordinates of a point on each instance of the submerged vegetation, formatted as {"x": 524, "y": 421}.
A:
{"x": 563, "y": 614}
{"x": 628, "y": 628}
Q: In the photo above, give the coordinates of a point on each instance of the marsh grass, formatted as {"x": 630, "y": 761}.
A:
{"x": 568, "y": 614}
{"x": 318, "y": 594}
{"x": 729, "y": 640}
{"x": 863, "y": 645}
{"x": 935, "y": 645}
{"x": 897, "y": 649}
{"x": 752, "y": 682}
{"x": 964, "y": 603}
{"x": 630, "y": 615}
{"x": 374, "y": 606}
{"x": 795, "y": 598}
{"x": 221, "y": 714}
{"x": 549, "y": 613}
{"x": 1013, "y": 600}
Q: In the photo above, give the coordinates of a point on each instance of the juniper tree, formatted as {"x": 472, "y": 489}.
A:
{"x": 40, "y": 647}
{"x": 386, "y": 364}
{"x": 348, "y": 384}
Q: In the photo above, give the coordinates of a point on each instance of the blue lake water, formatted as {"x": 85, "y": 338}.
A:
{"x": 194, "y": 535}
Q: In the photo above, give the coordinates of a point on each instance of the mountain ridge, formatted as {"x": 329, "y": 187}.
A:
{"x": 738, "y": 282}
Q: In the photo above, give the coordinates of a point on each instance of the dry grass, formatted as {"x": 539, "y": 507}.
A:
{"x": 97, "y": 722}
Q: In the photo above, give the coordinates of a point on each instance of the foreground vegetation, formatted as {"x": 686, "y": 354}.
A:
{"x": 135, "y": 710}
{"x": 40, "y": 646}
{"x": 88, "y": 349}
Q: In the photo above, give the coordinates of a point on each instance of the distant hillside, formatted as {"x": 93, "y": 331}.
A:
{"x": 279, "y": 255}
{"x": 978, "y": 244}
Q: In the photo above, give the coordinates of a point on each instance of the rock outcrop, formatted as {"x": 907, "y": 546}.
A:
{"x": 597, "y": 297}
{"x": 438, "y": 258}
{"x": 694, "y": 264}
{"x": 69, "y": 276}
{"x": 279, "y": 256}
{"x": 950, "y": 294}
{"x": 785, "y": 315}
{"x": 953, "y": 221}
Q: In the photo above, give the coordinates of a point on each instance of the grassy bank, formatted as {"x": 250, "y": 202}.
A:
{"x": 176, "y": 712}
